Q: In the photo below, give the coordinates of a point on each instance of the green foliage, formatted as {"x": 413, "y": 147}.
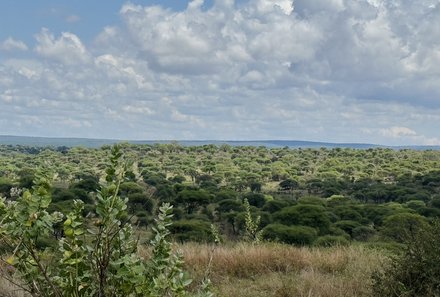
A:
{"x": 331, "y": 240}
{"x": 207, "y": 183}
{"x": 255, "y": 199}
{"x": 165, "y": 276}
{"x": 363, "y": 233}
{"x": 275, "y": 205}
{"x": 299, "y": 235}
{"x": 229, "y": 205}
{"x": 402, "y": 225}
{"x": 252, "y": 230}
{"x": 416, "y": 271}
{"x": 348, "y": 226}
{"x": 91, "y": 260}
{"x": 306, "y": 215}
{"x": 191, "y": 230}
{"x": 192, "y": 199}
{"x": 312, "y": 200}
{"x": 288, "y": 185}
{"x": 5, "y": 186}
{"x": 22, "y": 223}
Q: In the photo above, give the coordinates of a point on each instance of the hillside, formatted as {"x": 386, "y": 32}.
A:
{"x": 95, "y": 143}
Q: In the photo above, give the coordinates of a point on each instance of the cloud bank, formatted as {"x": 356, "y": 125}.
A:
{"x": 333, "y": 70}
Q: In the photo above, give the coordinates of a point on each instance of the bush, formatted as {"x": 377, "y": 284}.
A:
{"x": 401, "y": 226}
{"x": 306, "y": 215}
{"x": 347, "y": 226}
{"x": 191, "y": 230}
{"x": 331, "y": 240}
{"x": 140, "y": 201}
{"x": 363, "y": 233}
{"x": 229, "y": 205}
{"x": 335, "y": 231}
{"x": 275, "y": 205}
{"x": 98, "y": 259}
{"x": 255, "y": 199}
{"x": 312, "y": 200}
{"x": 416, "y": 271}
{"x": 299, "y": 235}
{"x": 5, "y": 186}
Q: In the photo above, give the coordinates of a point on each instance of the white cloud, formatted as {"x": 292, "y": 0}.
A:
{"x": 10, "y": 44}
{"x": 269, "y": 5}
{"x": 398, "y": 132}
{"x": 335, "y": 70}
{"x": 67, "y": 49}
{"x": 409, "y": 136}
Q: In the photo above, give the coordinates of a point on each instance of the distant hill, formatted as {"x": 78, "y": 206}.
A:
{"x": 94, "y": 143}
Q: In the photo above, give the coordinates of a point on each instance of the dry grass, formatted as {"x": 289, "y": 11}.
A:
{"x": 9, "y": 290}
{"x": 279, "y": 270}
{"x": 276, "y": 270}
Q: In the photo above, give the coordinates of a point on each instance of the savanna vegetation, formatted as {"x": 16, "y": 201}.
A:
{"x": 256, "y": 221}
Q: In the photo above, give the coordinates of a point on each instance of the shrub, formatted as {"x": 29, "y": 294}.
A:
{"x": 331, "y": 240}
{"x": 140, "y": 200}
{"x": 416, "y": 271}
{"x": 5, "y": 186}
{"x": 348, "y": 226}
{"x": 255, "y": 199}
{"x": 400, "y": 226}
{"x": 363, "y": 233}
{"x": 229, "y": 205}
{"x": 305, "y": 215}
{"x": 99, "y": 260}
{"x": 299, "y": 235}
{"x": 275, "y": 205}
{"x": 312, "y": 200}
{"x": 191, "y": 230}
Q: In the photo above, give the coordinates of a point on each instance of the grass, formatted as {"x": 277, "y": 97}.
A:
{"x": 275, "y": 270}
{"x": 9, "y": 290}
{"x": 280, "y": 270}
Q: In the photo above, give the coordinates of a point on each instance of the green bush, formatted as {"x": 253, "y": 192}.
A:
{"x": 98, "y": 259}
{"x": 299, "y": 235}
{"x": 312, "y": 200}
{"x": 305, "y": 215}
{"x": 229, "y": 205}
{"x": 390, "y": 247}
{"x": 255, "y": 199}
{"x": 191, "y": 230}
{"x": 5, "y": 186}
{"x": 363, "y": 233}
{"x": 400, "y": 226}
{"x": 348, "y": 226}
{"x": 275, "y": 205}
{"x": 331, "y": 240}
{"x": 140, "y": 201}
{"x": 416, "y": 271}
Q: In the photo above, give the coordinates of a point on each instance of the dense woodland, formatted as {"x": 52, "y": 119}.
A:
{"x": 301, "y": 196}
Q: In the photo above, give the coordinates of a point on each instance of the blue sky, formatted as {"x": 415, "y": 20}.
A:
{"x": 23, "y": 18}
{"x": 323, "y": 70}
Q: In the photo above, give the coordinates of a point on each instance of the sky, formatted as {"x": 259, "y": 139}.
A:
{"x": 365, "y": 71}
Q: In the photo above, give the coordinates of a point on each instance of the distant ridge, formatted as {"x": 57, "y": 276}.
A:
{"x": 95, "y": 143}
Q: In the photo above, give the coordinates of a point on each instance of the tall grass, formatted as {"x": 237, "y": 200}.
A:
{"x": 280, "y": 270}
{"x": 245, "y": 270}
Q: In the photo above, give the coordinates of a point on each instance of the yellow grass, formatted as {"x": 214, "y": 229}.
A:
{"x": 280, "y": 270}
{"x": 266, "y": 270}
